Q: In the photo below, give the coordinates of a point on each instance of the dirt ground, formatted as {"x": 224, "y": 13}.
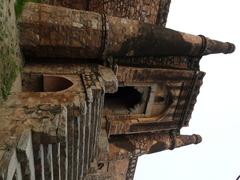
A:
{"x": 10, "y": 60}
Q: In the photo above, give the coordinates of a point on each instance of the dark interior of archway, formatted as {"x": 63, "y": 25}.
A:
{"x": 125, "y": 99}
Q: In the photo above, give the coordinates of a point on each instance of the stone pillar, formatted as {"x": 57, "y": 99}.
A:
{"x": 57, "y": 32}
{"x": 127, "y": 146}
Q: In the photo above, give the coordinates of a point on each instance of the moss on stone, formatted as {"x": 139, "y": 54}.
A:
{"x": 19, "y": 5}
{"x": 9, "y": 48}
{"x": 8, "y": 73}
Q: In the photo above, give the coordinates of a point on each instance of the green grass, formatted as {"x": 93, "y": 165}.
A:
{"x": 19, "y": 5}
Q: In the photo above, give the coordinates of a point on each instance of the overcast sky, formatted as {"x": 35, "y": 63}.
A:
{"x": 216, "y": 116}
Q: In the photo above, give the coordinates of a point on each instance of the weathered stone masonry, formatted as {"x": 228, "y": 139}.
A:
{"x": 104, "y": 83}
{"x": 64, "y": 33}
{"x": 150, "y": 11}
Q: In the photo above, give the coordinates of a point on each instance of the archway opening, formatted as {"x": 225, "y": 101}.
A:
{"x": 127, "y": 100}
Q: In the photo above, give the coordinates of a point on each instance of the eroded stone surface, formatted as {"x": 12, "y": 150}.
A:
{"x": 61, "y": 33}
{"x": 99, "y": 91}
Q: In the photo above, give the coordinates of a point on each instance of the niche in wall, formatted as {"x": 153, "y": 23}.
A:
{"x": 127, "y": 100}
{"x": 44, "y": 83}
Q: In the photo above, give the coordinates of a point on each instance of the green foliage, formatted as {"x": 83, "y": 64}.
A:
{"x": 9, "y": 51}
{"x": 8, "y": 73}
{"x": 8, "y": 70}
{"x": 19, "y": 5}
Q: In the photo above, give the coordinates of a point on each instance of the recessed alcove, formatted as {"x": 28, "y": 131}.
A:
{"x": 127, "y": 100}
{"x": 44, "y": 83}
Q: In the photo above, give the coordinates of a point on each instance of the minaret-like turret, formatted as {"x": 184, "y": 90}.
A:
{"x": 57, "y": 32}
{"x": 127, "y": 146}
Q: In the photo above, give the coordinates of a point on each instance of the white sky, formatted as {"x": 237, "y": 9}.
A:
{"x": 216, "y": 114}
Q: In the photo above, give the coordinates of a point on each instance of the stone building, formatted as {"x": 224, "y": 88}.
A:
{"x": 104, "y": 82}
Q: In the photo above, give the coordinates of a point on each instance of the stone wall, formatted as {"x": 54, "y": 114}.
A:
{"x": 149, "y": 11}
{"x": 63, "y": 127}
{"x": 141, "y": 10}
{"x": 73, "y": 4}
